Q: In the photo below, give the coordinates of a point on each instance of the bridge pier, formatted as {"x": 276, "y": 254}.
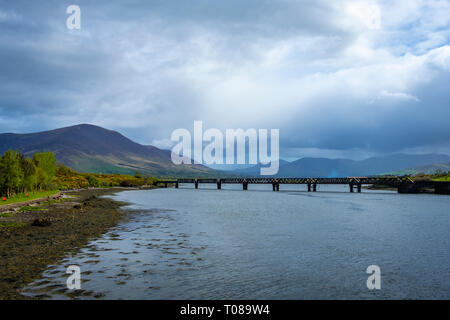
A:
{"x": 196, "y": 183}
{"x": 165, "y": 184}
{"x": 309, "y": 187}
{"x": 219, "y": 185}
{"x": 275, "y": 186}
{"x": 355, "y": 185}
{"x": 314, "y": 187}
{"x": 245, "y": 185}
{"x": 176, "y": 185}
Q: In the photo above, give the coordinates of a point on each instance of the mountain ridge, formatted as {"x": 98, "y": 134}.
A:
{"x": 90, "y": 148}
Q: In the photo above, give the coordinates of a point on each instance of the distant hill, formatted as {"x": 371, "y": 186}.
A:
{"x": 229, "y": 167}
{"x": 428, "y": 169}
{"x": 256, "y": 169}
{"x": 323, "y": 167}
{"x": 89, "y": 148}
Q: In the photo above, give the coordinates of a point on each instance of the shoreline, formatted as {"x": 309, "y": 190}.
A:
{"x": 379, "y": 187}
{"x": 30, "y": 240}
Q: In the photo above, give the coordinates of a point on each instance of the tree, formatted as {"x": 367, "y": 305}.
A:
{"x": 93, "y": 181}
{"x": 29, "y": 173}
{"x": 62, "y": 170}
{"x": 11, "y": 174}
{"x": 46, "y": 165}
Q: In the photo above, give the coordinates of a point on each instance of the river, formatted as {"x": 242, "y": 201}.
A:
{"x": 259, "y": 244}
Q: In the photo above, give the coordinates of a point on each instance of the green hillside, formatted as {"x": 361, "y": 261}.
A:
{"x": 88, "y": 148}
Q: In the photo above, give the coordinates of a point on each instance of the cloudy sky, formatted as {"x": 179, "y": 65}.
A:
{"x": 338, "y": 78}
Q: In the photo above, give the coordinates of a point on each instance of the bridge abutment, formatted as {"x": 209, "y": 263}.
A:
{"x": 441, "y": 188}
{"x": 408, "y": 188}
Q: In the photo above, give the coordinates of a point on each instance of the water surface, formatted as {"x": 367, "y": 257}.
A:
{"x": 258, "y": 244}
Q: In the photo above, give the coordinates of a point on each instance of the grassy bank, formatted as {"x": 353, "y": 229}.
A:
{"x": 35, "y": 237}
{"x": 443, "y": 178}
{"x": 31, "y": 196}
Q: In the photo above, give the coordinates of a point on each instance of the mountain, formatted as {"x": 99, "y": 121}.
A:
{"x": 242, "y": 169}
{"x": 229, "y": 167}
{"x": 428, "y": 169}
{"x": 89, "y": 148}
{"x": 256, "y": 170}
{"x": 322, "y": 167}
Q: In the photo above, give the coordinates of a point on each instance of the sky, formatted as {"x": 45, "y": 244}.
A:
{"x": 339, "y": 79}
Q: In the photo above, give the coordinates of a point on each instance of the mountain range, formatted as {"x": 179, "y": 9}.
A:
{"x": 89, "y": 148}
{"x": 323, "y": 167}
{"x": 427, "y": 169}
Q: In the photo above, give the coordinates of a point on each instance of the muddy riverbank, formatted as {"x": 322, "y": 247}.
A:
{"x": 40, "y": 235}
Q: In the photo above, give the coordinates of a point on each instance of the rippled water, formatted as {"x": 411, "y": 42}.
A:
{"x": 258, "y": 244}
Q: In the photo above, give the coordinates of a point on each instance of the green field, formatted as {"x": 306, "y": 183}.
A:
{"x": 443, "y": 178}
{"x": 32, "y": 196}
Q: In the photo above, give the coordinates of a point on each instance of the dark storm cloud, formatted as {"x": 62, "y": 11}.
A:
{"x": 368, "y": 76}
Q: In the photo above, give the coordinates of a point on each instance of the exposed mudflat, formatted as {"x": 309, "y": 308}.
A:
{"x": 41, "y": 234}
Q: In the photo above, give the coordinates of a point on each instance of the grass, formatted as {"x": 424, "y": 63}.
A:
{"x": 445, "y": 178}
{"x": 12, "y": 224}
{"x": 49, "y": 202}
{"x": 32, "y": 195}
{"x": 6, "y": 214}
{"x": 31, "y": 208}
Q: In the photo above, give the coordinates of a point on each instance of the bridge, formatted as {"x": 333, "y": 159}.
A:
{"x": 403, "y": 184}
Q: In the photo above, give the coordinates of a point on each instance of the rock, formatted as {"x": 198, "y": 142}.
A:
{"x": 41, "y": 222}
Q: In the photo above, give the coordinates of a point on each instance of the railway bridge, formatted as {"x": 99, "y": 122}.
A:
{"x": 403, "y": 184}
